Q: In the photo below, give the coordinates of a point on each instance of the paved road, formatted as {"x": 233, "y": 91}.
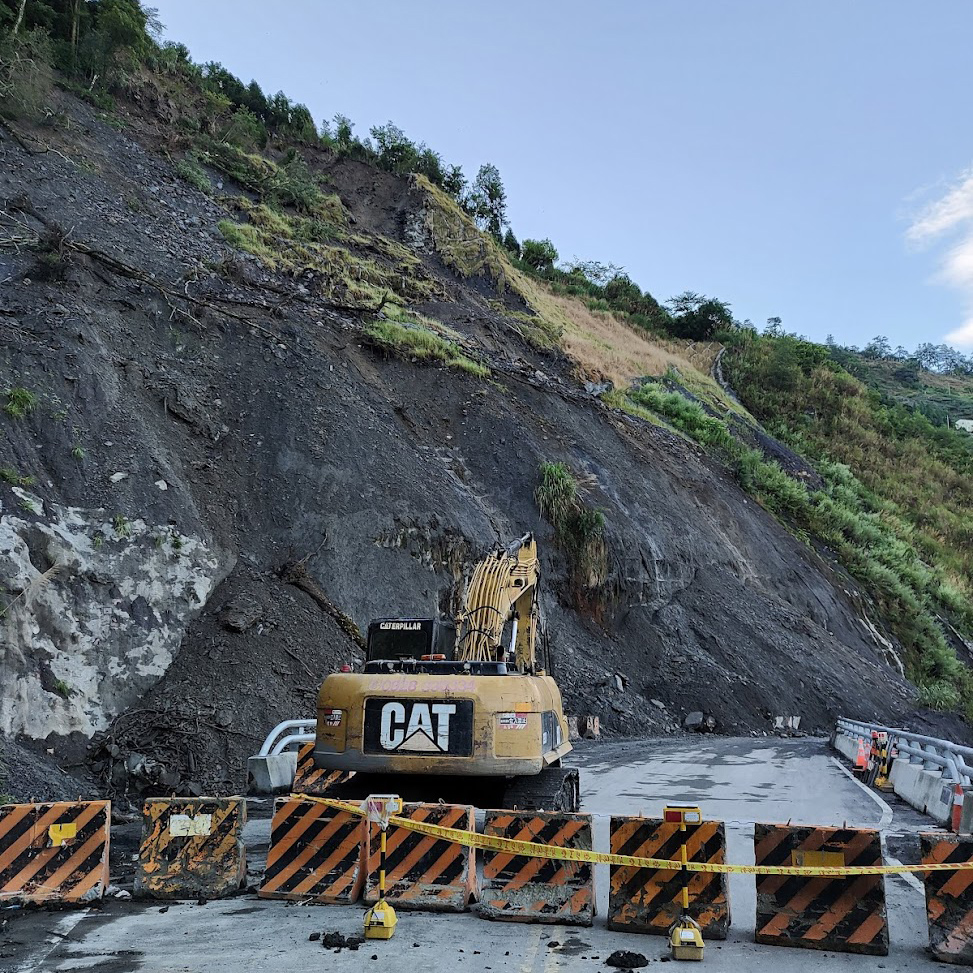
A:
{"x": 739, "y": 781}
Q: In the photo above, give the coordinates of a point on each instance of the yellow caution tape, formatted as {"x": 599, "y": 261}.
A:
{"x": 530, "y": 849}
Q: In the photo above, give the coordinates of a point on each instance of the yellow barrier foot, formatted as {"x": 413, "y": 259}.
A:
{"x": 380, "y": 921}
{"x": 686, "y": 940}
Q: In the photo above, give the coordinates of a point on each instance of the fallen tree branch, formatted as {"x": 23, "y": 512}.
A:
{"x": 301, "y": 662}
{"x": 295, "y": 573}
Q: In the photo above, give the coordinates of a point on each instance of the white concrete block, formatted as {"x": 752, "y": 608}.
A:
{"x": 272, "y": 774}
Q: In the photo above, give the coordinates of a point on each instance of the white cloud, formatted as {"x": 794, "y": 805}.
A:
{"x": 962, "y": 337}
{"x": 951, "y": 216}
{"x": 954, "y": 209}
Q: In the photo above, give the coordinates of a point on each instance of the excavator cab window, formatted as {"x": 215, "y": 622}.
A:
{"x": 409, "y": 638}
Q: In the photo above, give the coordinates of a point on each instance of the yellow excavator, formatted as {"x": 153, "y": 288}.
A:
{"x": 465, "y": 700}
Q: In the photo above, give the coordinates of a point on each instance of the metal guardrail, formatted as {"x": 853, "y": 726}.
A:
{"x": 286, "y": 733}
{"x": 953, "y": 760}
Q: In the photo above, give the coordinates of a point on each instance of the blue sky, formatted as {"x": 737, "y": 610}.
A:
{"x": 807, "y": 160}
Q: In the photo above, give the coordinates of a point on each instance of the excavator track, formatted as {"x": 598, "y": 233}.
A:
{"x": 553, "y": 789}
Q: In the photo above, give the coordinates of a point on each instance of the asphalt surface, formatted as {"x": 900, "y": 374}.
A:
{"x": 736, "y": 780}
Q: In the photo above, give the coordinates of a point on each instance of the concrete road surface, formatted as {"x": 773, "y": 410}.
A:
{"x": 736, "y": 780}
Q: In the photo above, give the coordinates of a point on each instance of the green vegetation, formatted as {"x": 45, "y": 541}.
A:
{"x": 122, "y": 525}
{"x": 96, "y": 46}
{"x": 20, "y": 402}
{"x": 897, "y": 484}
{"x": 10, "y": 475}
{"x": 420, "y": 342}
{"x": 942, "y": 395}
{"x": 189, "y": 170}
{"x": 77, "y": 451}
{"x": 539, "y": 255}
{"x": 579, "y": 530}
{"x": 472, "y": 253}
{"x": 247, "y": 237}
{"x": 63, "y": 689}
{"x": 26, "y": 77}
{"x": 361, "y": 273}
{"x": 895, "y": 500}
{"x": 908, "y": 481}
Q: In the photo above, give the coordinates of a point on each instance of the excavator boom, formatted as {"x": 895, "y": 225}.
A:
{"x": 503, "y": 588}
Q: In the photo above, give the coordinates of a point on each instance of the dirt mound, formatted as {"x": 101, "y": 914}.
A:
{"x": 256, "y": 656}
{"x": 28, "y": 775}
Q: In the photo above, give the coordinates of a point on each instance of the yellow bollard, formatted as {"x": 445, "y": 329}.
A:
{"x": 380, "y": 919}
{"x": 685, "y": 936}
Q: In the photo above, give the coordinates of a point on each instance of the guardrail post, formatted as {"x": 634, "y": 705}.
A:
{"x": 913, "y": 758}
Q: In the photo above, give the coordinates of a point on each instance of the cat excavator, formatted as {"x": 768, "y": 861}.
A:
{"x": 470, "y": 701}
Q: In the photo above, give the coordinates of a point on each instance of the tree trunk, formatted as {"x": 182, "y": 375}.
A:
{"x": 75, "y": 17}
{"x": 20, "y": 16}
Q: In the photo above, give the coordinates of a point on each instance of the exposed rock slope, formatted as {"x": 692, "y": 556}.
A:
{"x": 202, "y": 421}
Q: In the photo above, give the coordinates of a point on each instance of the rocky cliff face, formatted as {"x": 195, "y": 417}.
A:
{"x": 200, "y": 423}
{"x": 97, "y": 613}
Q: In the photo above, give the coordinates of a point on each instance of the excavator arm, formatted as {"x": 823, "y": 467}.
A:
{"x": 503, "y": 587}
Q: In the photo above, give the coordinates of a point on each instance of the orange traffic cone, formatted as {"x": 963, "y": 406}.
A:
{"x": 957, "y": 810}
{"x": 861, "y": 761}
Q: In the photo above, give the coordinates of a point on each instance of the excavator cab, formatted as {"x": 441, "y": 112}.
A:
{"x": 410, "y": 638}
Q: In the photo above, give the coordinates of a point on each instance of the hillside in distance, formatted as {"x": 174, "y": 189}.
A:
{"x": 260, "y": 386}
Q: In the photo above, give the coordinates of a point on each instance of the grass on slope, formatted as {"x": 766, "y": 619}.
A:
{"x": 897, "y": 503}
{"x": 603, "y": 346}
{"x": 941, "y": 398}
{"x": 422, "y": 343}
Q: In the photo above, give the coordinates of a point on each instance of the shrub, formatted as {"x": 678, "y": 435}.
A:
{"x": 557, "y": 493}
{"x": 416, "y": 341}
{"x": 245, "y": 130}
{"x": 698, "y": 318}
{"x": 251, "y": 171}
{"x": 26, "y": 77}
{"x": 396, "y": 153}
{"x": 939, "y": 696}
{"x": 20, "y": 403}
{"x": 189, "y": 170}
{"x": 9, "y": 475}
{"x": 579, "y": 531}
{"x": 292, "y": 184}
{"x": 52, "y": 251}
{"x": 539, "y": 255}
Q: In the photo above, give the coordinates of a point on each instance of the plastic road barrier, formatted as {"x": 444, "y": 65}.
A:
{"x": 311, "y": 779}
{"x": 192, "y": 846}
{"x": 647, "y": 900}
{"x": 531, "y": 889}
{"x": 949, "y": 898}
{"x": 843, "y": 914}
{"x": 315, "y": 852}
{"x": 424, "y": 872}
{"x": 56, "y": 852}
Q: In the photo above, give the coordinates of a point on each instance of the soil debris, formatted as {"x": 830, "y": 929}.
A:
{"x": 624, "y": 959}
{"x": 338, "y": 942}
